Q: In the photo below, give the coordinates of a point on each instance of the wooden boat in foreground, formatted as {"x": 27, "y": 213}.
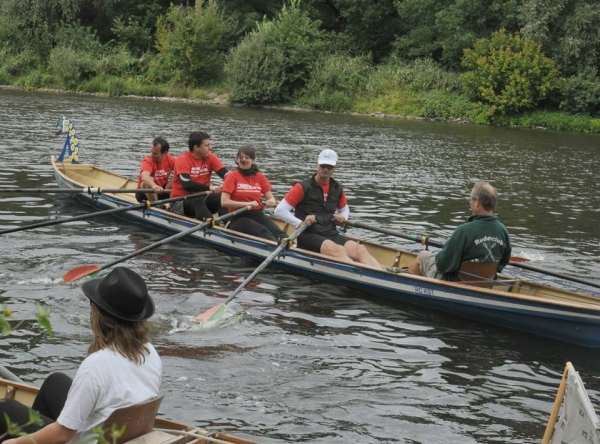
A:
{"x": 514, "y": 303}
{"x": 164, "y": 431}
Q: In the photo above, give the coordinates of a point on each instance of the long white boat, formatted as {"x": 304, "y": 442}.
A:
{"x": 512, "y": 303}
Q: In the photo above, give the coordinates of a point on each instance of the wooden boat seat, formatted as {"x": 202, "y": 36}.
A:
{"x": 137, "y": 419}
{"x": 481, "y": 274}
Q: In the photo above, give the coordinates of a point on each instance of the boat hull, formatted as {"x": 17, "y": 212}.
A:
{"x": 524, "y": 306}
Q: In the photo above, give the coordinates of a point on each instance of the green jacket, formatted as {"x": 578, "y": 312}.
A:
{"x": 481, "y": 239}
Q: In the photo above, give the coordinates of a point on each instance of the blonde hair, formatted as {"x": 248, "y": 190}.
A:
{"x": 127, "y": 338}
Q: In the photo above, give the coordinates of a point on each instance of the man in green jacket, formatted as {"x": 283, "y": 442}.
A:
{"x": 483, "y": 238}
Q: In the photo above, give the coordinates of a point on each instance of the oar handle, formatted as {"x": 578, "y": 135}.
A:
{"x": 147, "y": 204}
{"x": 285, "y": 243}
{"x": 423, "y": 240}
{"x": 176, "y": 236}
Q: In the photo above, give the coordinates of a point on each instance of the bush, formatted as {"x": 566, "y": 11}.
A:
{"x": 81, "y": 38}
{"x": 441, "y": 105}
{"x": 35, "y": 79}
{"x": 20, "y": 63}
{"x": 335, "y": 80}
{"x": 119, "y": 61}
{"x": 509, "y": 73}
{"x": 136, "y": 37}
{"x": 547, "y": 119}
{"x": 70, "y": 66}
{"x": 256, "y": 70}
{"x": 293, "y": 39}
{"x": 192, "y": 43}
{"x": 417, "y": 75}
{"x": 582, "y": 92}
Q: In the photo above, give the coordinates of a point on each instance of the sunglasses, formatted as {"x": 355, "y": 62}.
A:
{"x": 327, "y": 167}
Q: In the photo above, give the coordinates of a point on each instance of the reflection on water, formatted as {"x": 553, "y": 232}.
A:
{"x": 308, "y": 361}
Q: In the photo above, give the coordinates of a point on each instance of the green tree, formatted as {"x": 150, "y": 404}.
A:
{"x": 509, "y": 73}
{"x": 255, "y": 70}
{"x": 293, "y": 39}
{"x": 192, "y": 43}
{"x": 358, "y": 27}
{"x": 441, "y": 30}
{"x": 581, "y": 92}
{"x": 567, "y": 30}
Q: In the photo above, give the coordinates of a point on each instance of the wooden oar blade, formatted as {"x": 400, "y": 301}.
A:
{"x": 212, "y": 314}
{"x": 79, "y": 272}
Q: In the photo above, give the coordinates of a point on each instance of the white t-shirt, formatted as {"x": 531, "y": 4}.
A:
{"x": 107, "y": 381}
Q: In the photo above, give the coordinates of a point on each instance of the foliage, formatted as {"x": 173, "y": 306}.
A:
{"x": 417, "y": 75}
{"x": 42, "y": 315}
{"x": 13, "y": 429}
{"x": 137, "y": 38}
{"x": 440, "y": 105}
{"x": 256, "y": 70}
{"x": 70, "y": 66}
{"x": 581, "y": 92}
{"x": 567, "y": 30}
{"x": 335, "y": 80}
{"x": 293, "y": 40}
{"x": 551, "y": 120}
{"x": 509, "y": 73}
{"x": 81, "y": 38}
{"x": 19, "y": 63}
{"x": 441, "y": 30}
{"x": 192, "y": 43}
{"x": 364, "y": 26}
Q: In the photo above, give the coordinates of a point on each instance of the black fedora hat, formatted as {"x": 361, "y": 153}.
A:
{"x": 122, "y": 293}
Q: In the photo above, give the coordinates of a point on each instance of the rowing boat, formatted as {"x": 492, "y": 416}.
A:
{"x": 164, "y": 430}
{"x": 514, "y": 303}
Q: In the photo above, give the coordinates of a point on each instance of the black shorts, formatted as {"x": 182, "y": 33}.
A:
{"x": 313, "y": 241}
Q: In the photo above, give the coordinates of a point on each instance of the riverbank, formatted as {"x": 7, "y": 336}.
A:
{"x": 408, "y": 105}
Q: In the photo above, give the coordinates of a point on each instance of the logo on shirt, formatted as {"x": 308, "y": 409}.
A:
{"x": 199, "y": 171}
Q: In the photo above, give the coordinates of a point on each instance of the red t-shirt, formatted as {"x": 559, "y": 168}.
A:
{"x": 246, "y": 188}
{"x": 200, "y": 170}
{"x": 296, "y": 195}
{"x": 159, "y": 171}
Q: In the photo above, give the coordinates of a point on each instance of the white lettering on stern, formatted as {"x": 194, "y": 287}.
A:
{"x": 421, "y": 290}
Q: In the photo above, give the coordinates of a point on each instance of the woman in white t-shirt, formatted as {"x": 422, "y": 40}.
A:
{"x": 122, "y": 368}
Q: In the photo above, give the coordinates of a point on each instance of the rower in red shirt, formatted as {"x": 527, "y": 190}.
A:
{"x": 155, "y": 172}
{"x": 247, "y": 185}
{"x": 193, "y": 172}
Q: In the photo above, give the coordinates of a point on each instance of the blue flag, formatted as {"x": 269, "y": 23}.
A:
{"x": 64, "y": 125}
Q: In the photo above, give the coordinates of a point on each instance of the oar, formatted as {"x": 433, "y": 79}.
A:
{"x": 7, "y": 374}
{"x": 423, "y": 240}
{"x": 552, "y": 273}
{"x": 147, "y": 204}
{"x": 86, "y": 270}
{"x": 86, "y": 190}
{"x": 219, "y": 310}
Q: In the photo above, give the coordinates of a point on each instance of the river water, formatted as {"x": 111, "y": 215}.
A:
{"x": 309, "y": 362}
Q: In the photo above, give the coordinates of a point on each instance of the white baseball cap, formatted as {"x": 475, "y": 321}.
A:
{"x": 327, "y": 157}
